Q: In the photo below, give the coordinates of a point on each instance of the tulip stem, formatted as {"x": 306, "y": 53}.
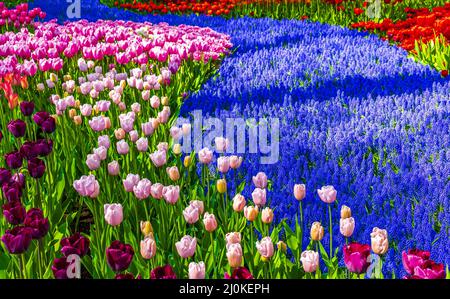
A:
{"x": 23, "y": 266}
{"x": 331, "y": 232}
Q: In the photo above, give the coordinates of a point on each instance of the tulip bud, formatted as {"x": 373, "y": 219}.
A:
{"x": 77, "y": 120}
{"x": 209, "y": 220}
{"x": 317, "y": 231}
{"x": 282, "y": 246}
{"x": 53, "y": 77}
{"x": 72, "y": 113}
{"x": 267, "y": 215}
{"x": 234, "y": 255}
{"x": 176, "y": 149}
{"x": 346, "y": 212}
{"x": 148, "y": 247}
{"x": 299, "y": 191}
{"x": 77, "y": 104}
{"x": 165, "y": 101}
{"x": 222, "y": 186}
{"x": 173, "y": 173}
{"x": 347, "y": 226}
{"x": 379, "y": 241}
{"x": 67, "y": 78}
{"x": 146, "y": 228}
{"x": 187, "y": 161}
{"x": 250, "y": 213}
{"x": 40, "y": 87}
{"x": 238, "y": 203}
{"x": 119, "y": 133}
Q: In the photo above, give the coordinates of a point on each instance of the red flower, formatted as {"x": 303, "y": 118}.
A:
{"x": 164, "y": 272}
{"x": 356, "y": 257}
{"x": 239, "y": 273}
{"x": 444, "y": 73}
{"x": 358, "y": 11}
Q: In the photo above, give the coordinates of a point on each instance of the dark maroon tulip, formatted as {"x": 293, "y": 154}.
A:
{"x": 40, "y": 117}
{"x": 414, "y": 258}
{"x": 37, "y": 223}
{"x": 5, "y": 176}
{"x": 164, "y": 272}
{"x": 119, "y": 256}
{"x": 14, "y": 212}
{"x": 36, "y": 168}
{"x": 12, "y": 191}
{"x": 44, "y": 147}
{"x": 14, "y": 160}
{"x": 430, "y": 270}
{"x": 59, "y": 268}
{"x": 19, "y": 178}
{"x": 27, "y": 108}
{"x": 356, "y": 257}
{"x": 75, "y": 244}
{"x": 29, "y": 150}
{"x": 49, "y": 125}
{"x": 127, "y": 276}
{"x": 17, "y": 128}
{"x": 17, "y": 240}
{"x": 239, "y": 273}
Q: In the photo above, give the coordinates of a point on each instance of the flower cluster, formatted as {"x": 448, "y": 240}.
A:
{"x": 19, "y": 16}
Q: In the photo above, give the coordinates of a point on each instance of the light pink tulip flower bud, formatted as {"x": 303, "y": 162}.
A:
{"x": 87, "y": 186}
{"x": 347, "y": 226}
{"x": 267, "y": 215}
{"x": 259, "y": 197}
{"x": 173, "y": 173}
{"x": 142, "y": 189}
{"x": 197, "y": 270}
{"x": 379, "y": 241}
{"x": 327, "y": 194}
{"x": 186, "y": 246}
{"x": 157, "y": 191}
{"x": 310, "y": 261}
{"x": 113, "y": 168}
{"x": 223, "y": 164}
{"x": 154, "y": 102}
{"x": 130, "y": 181}
{"x": 93, "y": 161}
{"x": 119, "y": 134}
{"x": 147, "y": 128}
{"x": 136, "y": 108}
{"x": 198, "y": 204}
{"x": 101, "y": 152}
{"x": 113, "y": 214}
{"x": 104, "y": 141}
{"x": 299, "y": 191}
{"x": 148, "y": 247}
{"x": 146, "y": 95}
{"x": 221, "y": 144}
{"x": 142, "y": 144}
{"x": 234, "y": 255}
{"x": 171, "y": 194}
{"x": 260, "y": 180}
{"x": 232, "y": 238}
{"x": 205, "y": 156}
{"x": 191, "y": 214}
{"x": 186, "y": 129}
{"x": 239, "y": 203}
{"x": 86, "y": 109}
{"x": 159, "y": 158}
{"x": 209, "y": 220}
{"x": 163, "y": 146}
{"x": 134, "y": 135}
{"x": 235, "y": 162}
{"x": 122, "y": 147}
{"x": 265, "y": 247}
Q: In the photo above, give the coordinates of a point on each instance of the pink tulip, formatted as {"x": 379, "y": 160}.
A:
{"x": 197, "y": 270}
{"x": 119, "y": 134}
{"x": 221, "y": 144}
{"x": 173, "y": 173}
{"x": 186, "y": 129}
{"x": 198, "y": 204}
{"x": 238, "y": 203}
{"x": 265, "y": 247}
{"x": 310, "y": 261}
{"x": 87, "y": 186}
{"x": 327, "y": 194}
{"x": 136, "y": 108}
{"x": 191, "y": 214}
{"x": 103, "y": 106}
{"x": 233, "y": 238}
{"x": 154, "y": 102}
{"x": 113, "y": 214}
{"x": 146, "y": 95}
{"x": 94, "y": 94}
{"x": 234, "y": 255}
{"x": 259, "y": 197}
{"x": 98, "y": 123}
{"x": 122, "y": 147}
{"x": 171, "y": 194}
{"x": 223, "y": 164}
{"x": 86, "y": 110}
{"x": 205, "y": 156}
{"x": 235, "y": 162}
{"x": 142, "y": 144}
{"x": 148, "y": 247}
{"x": 147, "y": 128}
{"x": 299, "y": 191}
{"x": 267, "y": 215}
{"x": 186, "y": 246}
{"x": 157, "y": 190}
{"x": 260, "y": 180}
{"x": 142, "y": 189}
{"x": 104, "y": 141}
{"x": 163, "y": 146}
{"x": 101, "y": 152}
{"x": 176, "y": 133}
{"x": 113, "y": 168}
{"x": 209, "y": 220}
{"x": 133, "y": 135}
{"x": 163, "y": 116}
{"x": 130, "y": 181}
{"x": 127, "y": 121}
{"x": 379, "y": 241}
{"x": 159, "y": 158}
{"x": 347, "y": 226}
{"x": 93, "y": 161}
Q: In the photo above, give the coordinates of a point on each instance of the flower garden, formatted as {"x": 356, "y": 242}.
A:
{"x": 96, "y": 182}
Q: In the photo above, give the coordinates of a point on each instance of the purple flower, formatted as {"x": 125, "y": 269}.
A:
{"x": 12, "y": 191}
{"x": 36, "y": 168}
{"x": 37, "y": 223}
{"x": 29, "y": 150}
{"x": 17, "y": 128}
{"x": 75, "y": 244}
{"x": 17, "y": 240}
{"x": 14, "y": 212}
{"x": 5, "y": 176}
{"x": 164, "y": 272}
{"x": 27, "y": 108}
{"x": 49, "y": 125}
{"x": 40, "y": 117}
{"x": 119, "y": 256}
{"x": 14, "y": 160}
{"x": 59, "y": 268}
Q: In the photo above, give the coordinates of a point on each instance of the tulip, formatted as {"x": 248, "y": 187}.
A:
{"x": 327, "y": 194}
{"x": 86, "y": 109}
{"x": 171, "y": 194}
{"x": 234, "y": 255}
{"x": 235, "y": 162}
{"x": 19, "y": 178}
{"x": 414, "y": 258}
{"x": 36, "y": 168}
{"x": 12, "y": 191}
{"x": 250, "y": 213}
{"x": 5, "y": 176}
{"x": 17, "y": 127}
{"x": 187, "y": 161}
{"x": 186, "y": 246}
{"x": 122, "y": 147}
{"x": 165, "y": 101}
{"x": 49, "y": 125}
{"x": 356, "y": 257}
{"x": 119, "y": 134}
{"x": 259, "y": 197}
{"x": 119, "y": 256}
{"x": 260, "y": 180}
{"x": 186, "y": 129}
{"x": 142, "y": 189}
{"x": 347, "y": 226}
{"x": 310, "y": 261}
{"x": 77, "y": 120}
{"x": 14, "y": 212}
{"x": 93, "y": 161}
{"x": 222, "y": 186}
{"x": 205, "y": 156}
{"x": 209, "y": 220}
{"x": 142, "y": 144}
{"x": 27, "y": 108}
{"x": 146, "y": 228}
{"x": 267, "y": 215}
{"x": 176, "y": 148}
{"x": 233, "y": 238}
{"x": 136, "y": 108}
{"x": 317, "y": 231}
{"x": 346, "y": 212}
{"x": 154, "y": 102}
{"x": 40, "y": 117}
{"x": 299, "y": 191}
{"x": 133, "y": 136}
{"x": 130, "y": 181}
{"x": 238, "y": 203}
{"x": 176, "y": 133}
{"x": 98, "y": 123}
{"x": 156, "y": 191}
{"x": 430, "y": 270}
{"x": 72, "y": 113}
{"x": 159, "y": 158}
{"x": 191, "y": 214}
{"x": 265, "y": 248}
{"x": 198, "y": 204}
{"x": 148, "y": 247}
{"x": 75, "y": 244}
{"x": 163, "y": 146}
{"x": 147, "y": 128}
{"x": 113, "y": 168}
{"x": 221, "y": 144}
{"x": 197, "y": 270}
{"x": 239, "y": 273}
{"x": 173, "y": 173}
{"x": 113, "y": 214}
{"x": 379, "y": 241}
{"x": 165, "y": 272}
{"x": 87, "y": 186}
{"x": 223, "y": 164}
{"x": 59, "y": 268}
{"x": 35, "y": 220}
{"x": 17, "y": 240}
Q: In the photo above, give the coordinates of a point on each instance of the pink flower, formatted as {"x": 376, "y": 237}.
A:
{"x": 198, "y": 204}
{"x": 191, "y": 214}
{"x": 186, "y": 246}
{"x": 173, "y": 173}
{"x": 142, "y": 144}
{"x": 154, "y": 102}
{"x": 148, "y": 247}
{"x": 101, "y": 152}
{"x": 142, "y": 189}
{"x": 157, "y": 190}
{"x": 327, "y": 194}
{"x": 93, "y": 161}
{"x": 147, "y": 128}
{"x": 127, "y": 121}
{"x": 133, "y": 135}
{"x": 379, "y": 241}
{"x": 113, "y": 214}
{"x": 238, "y": 203}
{"x": 299, "y": 191}
{"x": 176, "y": 133}
{"x": 310, "y": 261}
{"x": 235, "y": 162}
{"x": 267, "y": 215}
{"x": 223, "y": 164}
{"x": 197, "y": 270}
{"x": 171, "y": 194}
{"x": 347, "y": 226}
{"x": 205, "y": 156}
{"x": 356, "y": 257}
{"x": 209, "y": 220}
{"x": 429, "y": 270}
{"x": 113, "y": 168}
{"x": 104, "y": 141}
{"x": 221, "y": 144}
{"x": 119, "y": 134}
{"x": 130, "y": 181}
{"x": 146, "y": 95}
{"x": 122, "y": 147}
{"x": 163, "y": 116}
{"x": 414, "y": 258}
{"x": 87, "y": 186}
{"x": 136, "y": 108}
{"x": 259, "y": 197}
{"x": 232, "y": 238}
{"x": 260, "y": 180}
{"x": 98, "y": 123}
{"x": 265, "y": 247}
{"x": 234, "y": 254}
{"x": 159, "y": 158}
{"x": 163, "y": 146}
{"x": 103, "y": 106}
{"x": 86, "y": 109}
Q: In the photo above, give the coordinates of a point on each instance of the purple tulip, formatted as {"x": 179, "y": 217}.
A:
{"x": 40, "y": 117}
{"x": 49, "y": 125}
{"x": 164, "y": 272}
{"x": 17, "y": 128}
{"x": 119, "y": 256}
{"x": 59, "y": 268}
{"x": 27, "y": 108}
{"x": 14, "y": 212}
{"x": 19, "y": 178}
{"x": 37, "y": 223}
{"x": 12, "y": 191}
{"x": 5, "y": 176}
{"x": 240, "y": 273}
{"x": 14, "y": 160}
{"x": 36, "y": 168}
{"x": 75, "y": 244}
{"x": 17, "y": 240}
{"x": 44, "y": 147}
{"x": 1, "y": 136}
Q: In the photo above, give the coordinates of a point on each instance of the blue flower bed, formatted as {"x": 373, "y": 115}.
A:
{"x": 355, "y": 113}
